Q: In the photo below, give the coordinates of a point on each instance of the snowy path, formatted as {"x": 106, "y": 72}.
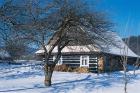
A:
{"x": 29, "y": 79}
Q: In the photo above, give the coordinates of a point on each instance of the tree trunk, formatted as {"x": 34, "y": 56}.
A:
{"x": 48, "y": 74}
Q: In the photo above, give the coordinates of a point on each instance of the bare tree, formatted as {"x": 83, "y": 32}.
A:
{"x": 57, "y": 23}
{"x": 124, "y": 59}
{"x": 8, "y": 40}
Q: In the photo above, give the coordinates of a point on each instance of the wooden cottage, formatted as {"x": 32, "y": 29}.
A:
{"x": 96, "y": 60}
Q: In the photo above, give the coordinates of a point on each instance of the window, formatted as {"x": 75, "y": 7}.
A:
{"x": 84, "y": 61}
{"x": 60, "y": 62}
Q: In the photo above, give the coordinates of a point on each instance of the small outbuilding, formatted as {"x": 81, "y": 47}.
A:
{"x": 4, "y": 55}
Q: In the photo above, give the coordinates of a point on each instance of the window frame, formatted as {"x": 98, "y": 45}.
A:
{"x": 84, "y": 61}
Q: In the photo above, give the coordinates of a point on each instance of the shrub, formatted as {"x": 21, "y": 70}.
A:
{"x": 81, "y": 70}
{"x": 63, "y": 68}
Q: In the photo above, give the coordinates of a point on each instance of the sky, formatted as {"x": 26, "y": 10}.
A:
{"x": 125, "y": 14}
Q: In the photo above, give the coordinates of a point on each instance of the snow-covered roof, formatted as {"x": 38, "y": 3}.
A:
{"x": 72, "y": 49}
{"x": 121, "y": 49}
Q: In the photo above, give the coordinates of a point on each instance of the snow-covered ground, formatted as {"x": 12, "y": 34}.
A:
{"x": 28, "y": 78}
